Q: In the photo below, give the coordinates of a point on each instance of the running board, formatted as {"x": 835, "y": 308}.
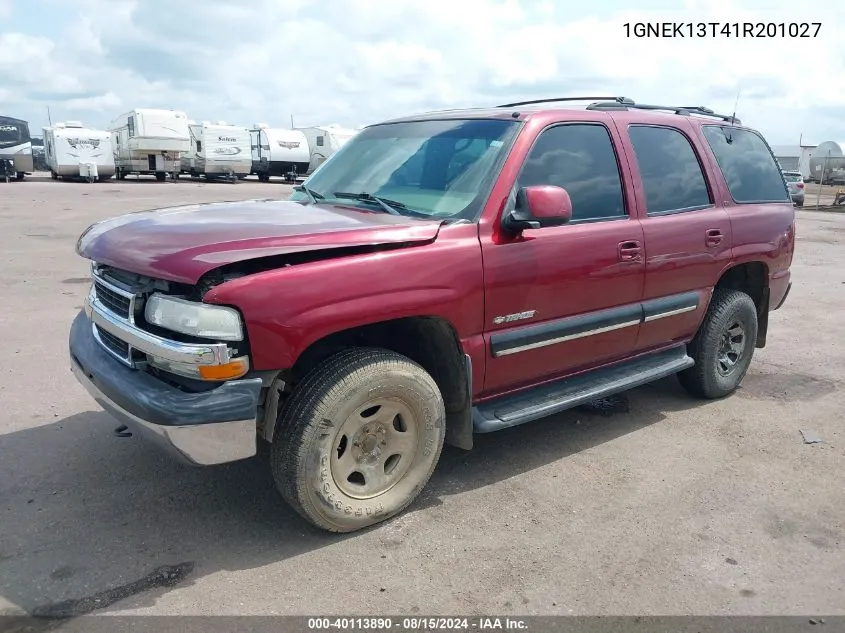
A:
{"x": 568, "y": 393}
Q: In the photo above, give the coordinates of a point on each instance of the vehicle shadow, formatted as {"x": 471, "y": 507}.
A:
{"x": 87, "y": 518}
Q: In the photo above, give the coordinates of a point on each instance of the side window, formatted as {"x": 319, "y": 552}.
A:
{"x": 131, "y": 124}
{"x": 670, "y": 171}
{"x": 749, "y": 168}
{"x": 580, "y": 158}
{"x": 199, "y": 146}
{"x": 319, "y": 141}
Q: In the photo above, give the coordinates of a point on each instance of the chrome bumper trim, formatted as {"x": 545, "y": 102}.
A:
{"x": 196, "y": 444}
{"x": 193, "y": 354}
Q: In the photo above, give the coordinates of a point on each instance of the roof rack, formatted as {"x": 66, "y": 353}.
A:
{"x": 617, "y": 100}
{"x": 611, "y": 104}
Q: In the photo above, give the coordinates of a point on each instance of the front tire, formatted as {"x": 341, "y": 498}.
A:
{"x": 723, "y": 347}
{"x": 358, "y": 439}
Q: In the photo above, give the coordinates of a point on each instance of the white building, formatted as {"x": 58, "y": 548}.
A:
{"x": 794, "y": 157}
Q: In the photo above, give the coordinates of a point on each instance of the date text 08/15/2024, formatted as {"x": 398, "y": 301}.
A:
{"x": 722, "y": 29}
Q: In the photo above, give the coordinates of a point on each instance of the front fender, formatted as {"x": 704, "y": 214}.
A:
{"x": 288, "y": 309}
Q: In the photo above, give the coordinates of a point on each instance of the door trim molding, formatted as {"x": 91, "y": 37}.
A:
{"x": 591, "y": 323}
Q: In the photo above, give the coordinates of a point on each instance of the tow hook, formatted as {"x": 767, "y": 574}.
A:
{"x": 122, "y": 431}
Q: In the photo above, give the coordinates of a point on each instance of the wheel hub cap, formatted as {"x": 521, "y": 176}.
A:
{"x": 731, "y": 348}
{"x": 374, "y": 448}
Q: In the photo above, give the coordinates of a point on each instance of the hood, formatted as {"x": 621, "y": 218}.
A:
{"x": 183, "y": 243}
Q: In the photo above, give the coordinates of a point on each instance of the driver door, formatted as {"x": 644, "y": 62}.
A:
{"x": 566, "y": 298}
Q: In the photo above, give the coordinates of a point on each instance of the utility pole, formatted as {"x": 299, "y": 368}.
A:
{"x": 821, "y": 180}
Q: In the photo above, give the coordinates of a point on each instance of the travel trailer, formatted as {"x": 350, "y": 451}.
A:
{"x": 279, "y": 152}
{"x": 73, "y": 151}
{"x": 149, "y": 141}
{"x": 218, "y": 150}
{"x": 15, "y": 147}
{"x": 325, "y": 141}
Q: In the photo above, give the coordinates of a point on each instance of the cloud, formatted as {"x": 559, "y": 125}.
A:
{"x": 360, "y": 61}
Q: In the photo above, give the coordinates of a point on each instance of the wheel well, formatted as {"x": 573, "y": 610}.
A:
{"x": 429, "y": 341}
{"x": 751, "y": 278}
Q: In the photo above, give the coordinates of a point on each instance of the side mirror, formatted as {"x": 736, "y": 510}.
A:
{"x": 539, "y": 206}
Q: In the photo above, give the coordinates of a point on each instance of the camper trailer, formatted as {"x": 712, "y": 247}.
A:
{"x": 15, "y": 147}
{"x": 73, "y": 151}
{"x": 218, "y": 150}
{"x": 325, "y": 141}
{"x": 279, "y": 152}
{"x": 149, "y": 141}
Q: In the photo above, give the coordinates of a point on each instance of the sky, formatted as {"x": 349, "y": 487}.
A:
{"x": 357, "y": 62}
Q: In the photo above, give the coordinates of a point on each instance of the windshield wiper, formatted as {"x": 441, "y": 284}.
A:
{"x": 314, "y": 195}
{"x": 390, "y": 206}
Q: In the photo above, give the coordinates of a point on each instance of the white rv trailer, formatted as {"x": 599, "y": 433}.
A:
{"x": 325, "y": 141}
{"x": 73, "y": 151}
{"x": 279, "y": 152}
{"x": 149, "y": 141}
{"x": 218, "y": 150}
{"x": 15, "y": 146}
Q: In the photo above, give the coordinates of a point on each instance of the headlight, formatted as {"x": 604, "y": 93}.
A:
{"x": 194, "y": 318}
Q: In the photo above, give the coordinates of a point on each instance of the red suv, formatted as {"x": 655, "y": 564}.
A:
{"x": 439, "y": 276}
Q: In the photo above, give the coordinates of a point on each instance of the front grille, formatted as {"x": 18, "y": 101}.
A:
{"x": 113, "y": 344}
{"x": 115, "y": 302}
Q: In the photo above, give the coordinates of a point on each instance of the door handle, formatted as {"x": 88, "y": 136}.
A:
{"x": 630, "y": 251}
{"x": 713, "y": 237}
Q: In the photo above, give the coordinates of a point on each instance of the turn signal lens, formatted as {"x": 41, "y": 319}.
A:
{"x": 229, "y": 371}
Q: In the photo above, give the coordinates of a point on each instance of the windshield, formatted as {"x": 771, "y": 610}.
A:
{"x": 427, "y": 168}
{"x": 13, "y": 133}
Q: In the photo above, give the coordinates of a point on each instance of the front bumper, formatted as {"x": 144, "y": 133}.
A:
{"x": 210, "y": 427}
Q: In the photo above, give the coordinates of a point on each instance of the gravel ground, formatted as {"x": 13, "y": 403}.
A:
{"x": 655, "y": 504}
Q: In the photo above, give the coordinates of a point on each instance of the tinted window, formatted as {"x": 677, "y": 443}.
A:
{"x": 10, "y": 134}
{"x": 792, "y": 177}
{"x": 750, "y": 169}
{"x": 671, "y": 174}
{"x": 581, "y": 159}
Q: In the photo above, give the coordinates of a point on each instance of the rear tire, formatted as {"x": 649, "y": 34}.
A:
{"x": 358, "y": 439}
{"x": 723, "y": 347}
{"x": 160, "y": 176}
{"x": 20, "y": 176}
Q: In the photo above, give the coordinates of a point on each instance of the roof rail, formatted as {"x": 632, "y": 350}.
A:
{"x": 618, "y": 100}
{"x": 683, "y": 110}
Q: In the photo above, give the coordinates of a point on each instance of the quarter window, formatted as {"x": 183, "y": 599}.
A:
{"x": 752, "y": 173}
{"x": 670, "y": 171}
{"x": 580, "y": 158}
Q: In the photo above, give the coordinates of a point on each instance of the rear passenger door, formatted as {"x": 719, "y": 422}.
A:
{"x": 687, "y": 233}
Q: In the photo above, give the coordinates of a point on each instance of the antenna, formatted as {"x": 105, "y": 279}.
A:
{"x": 291, "y": 121}
{"x": 49, "y": 118}
{"x": 736, "y": 103}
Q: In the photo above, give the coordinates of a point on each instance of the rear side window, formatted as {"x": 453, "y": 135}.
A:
{"x": 670, "y": 171}
{"x": 581, "y": 159}
{"x": 752, "y": 173}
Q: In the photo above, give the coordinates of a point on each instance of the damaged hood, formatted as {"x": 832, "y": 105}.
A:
{"x": 183, "y": 243}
